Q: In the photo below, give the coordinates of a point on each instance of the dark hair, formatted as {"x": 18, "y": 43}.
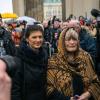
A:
{"x": 33, "y": 28}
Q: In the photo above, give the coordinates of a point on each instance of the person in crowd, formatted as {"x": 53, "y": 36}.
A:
{"x": 71, "y": 16}
{"x": 56, "y": 30}
{"x": 70, "y": 74}
{"x": 22, "y": 25}
{"x": 17, "y": 36}
{"x": 64, "y": 25}
{"x": 29, "y": 80}
{"x": 5, "y": 83}
{"x": 94, "y": 30}
{"x": 47, "y": 31}
{"x": 90, "y": 27}
{"x": 47, "y": 36}
{"x": 81, "y": 20}
{"x": 7, "y": 46}
{"x": 87, "y": 42}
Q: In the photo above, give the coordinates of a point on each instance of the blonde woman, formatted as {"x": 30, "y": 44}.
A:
{"x": 70, "y": 72}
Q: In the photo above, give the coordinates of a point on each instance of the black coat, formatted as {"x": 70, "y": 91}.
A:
{"x": 98, "y": 52}
{"x": 47, "y": 35}
{"x": 29, "y": 81}
{"x": 8, "y": 44}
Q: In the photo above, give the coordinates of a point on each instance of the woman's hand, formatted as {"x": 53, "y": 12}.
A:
{"x": 84, "y": 96}
{"x": 76, "y": 97}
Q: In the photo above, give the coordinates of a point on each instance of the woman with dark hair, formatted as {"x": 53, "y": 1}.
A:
{"x": 70, "y": 74}
{"x": 29, "y": 80}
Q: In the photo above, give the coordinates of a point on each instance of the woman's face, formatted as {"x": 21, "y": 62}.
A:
{"x": 71, "y": 44}
{"x": 35, "y": 39}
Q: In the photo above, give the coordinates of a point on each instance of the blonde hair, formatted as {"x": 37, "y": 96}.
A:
{"x": 67, "y": 33}
{"x": 71, "y": 33}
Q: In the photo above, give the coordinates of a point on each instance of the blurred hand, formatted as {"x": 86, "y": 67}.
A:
{"x": 76, "y": 97}
{"x": 5, "y": 82}
{"x": 2, "y": 66}
{"x": 84, "y": 96}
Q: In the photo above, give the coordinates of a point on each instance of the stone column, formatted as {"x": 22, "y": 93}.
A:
{"x": 63, "y": 10}
{"x": 34, "y": 8}
{"x": 18, "y": 7}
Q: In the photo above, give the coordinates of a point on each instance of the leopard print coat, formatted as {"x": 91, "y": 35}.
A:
{"x": 61, "y": 71}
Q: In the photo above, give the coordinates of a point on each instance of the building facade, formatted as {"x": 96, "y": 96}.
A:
{"x": 34, "y": 8}
{"x": 79, "y": 7}
{"x": 52, "y": 8}
{"x": 40, "y": 9}
{"x": 31, "y": 8}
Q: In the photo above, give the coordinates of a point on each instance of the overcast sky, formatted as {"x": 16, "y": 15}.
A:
{"x": 5, "y": 6}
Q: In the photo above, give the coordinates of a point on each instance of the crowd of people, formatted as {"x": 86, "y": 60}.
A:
{"x": 51, "y": 60}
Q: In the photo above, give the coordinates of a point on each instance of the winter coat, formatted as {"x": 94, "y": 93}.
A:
{"x": 8, "y": 44}
{"x": 98, "y": 52}
{"x": 29, "y": 80}
{"x": 67, "y": 77}
{"x": 55, "y": 36}
{"x": 88, "y": 43}
{"x": 47, "y": 34}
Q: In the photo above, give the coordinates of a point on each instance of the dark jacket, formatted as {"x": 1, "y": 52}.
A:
{"x": 55, "y": 36}
{"x": 29, "y": 81}
{"x": 47, "y": 34}
{"x": 88, "y": 43}
{"x": 8, "y": 44}
{"x": 98, "y": 52}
